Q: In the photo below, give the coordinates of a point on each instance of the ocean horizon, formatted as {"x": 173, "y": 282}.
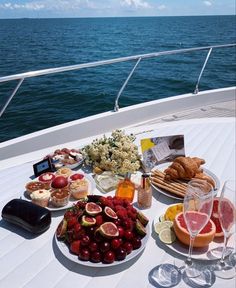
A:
{"x": 29, "y": 44}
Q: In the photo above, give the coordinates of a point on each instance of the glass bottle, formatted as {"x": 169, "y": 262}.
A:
{"x": 145, "y": 192}
{"x": 126, "y": 188}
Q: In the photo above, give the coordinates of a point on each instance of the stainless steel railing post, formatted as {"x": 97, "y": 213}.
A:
{"x": 200, "y": 75}
{"x": 11, "y": 96}
{"x": 116, "y": 107}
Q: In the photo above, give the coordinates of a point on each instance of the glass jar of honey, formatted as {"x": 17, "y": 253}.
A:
{"x": 126, "y": 188}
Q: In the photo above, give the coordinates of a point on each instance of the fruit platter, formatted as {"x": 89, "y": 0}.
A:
{"x": 102, "y": 231}
{"x": 172, "y": 231}
{"x": 59, "y": 190}
{"x": 65, "y": 157}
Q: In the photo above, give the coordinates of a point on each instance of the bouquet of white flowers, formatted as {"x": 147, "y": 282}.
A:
{"x": 116, "y": 153}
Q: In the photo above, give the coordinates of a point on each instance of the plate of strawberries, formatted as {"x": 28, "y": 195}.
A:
{"x": 102, "y": 231}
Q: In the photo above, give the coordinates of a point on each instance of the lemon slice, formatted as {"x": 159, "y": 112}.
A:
{"x": 162, "y": 218}
{"x": 159, "y": 226}
{"x": 167, "y": 236}
{"x": 168, "y": 223}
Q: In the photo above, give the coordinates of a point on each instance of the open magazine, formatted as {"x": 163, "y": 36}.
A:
{"x": 158, "y": 150}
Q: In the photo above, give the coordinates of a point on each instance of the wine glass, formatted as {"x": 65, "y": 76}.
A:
{"x": 198, "y": 203}
{"x": 227, "y": 216}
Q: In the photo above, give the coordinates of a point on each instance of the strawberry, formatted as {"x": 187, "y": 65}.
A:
{"x": 74, "y": 247}
{"x": 68, "y": 214}
{"x": 71, "y": 221}
{"x": 99, "y": 220}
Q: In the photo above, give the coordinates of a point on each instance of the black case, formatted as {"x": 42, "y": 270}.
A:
{"x": 29, "y": 216}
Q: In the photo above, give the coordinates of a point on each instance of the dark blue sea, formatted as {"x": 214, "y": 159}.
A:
{"x": 33, "y": 44}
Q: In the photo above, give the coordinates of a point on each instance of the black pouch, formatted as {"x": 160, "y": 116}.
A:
{"x": 29, "y": 216}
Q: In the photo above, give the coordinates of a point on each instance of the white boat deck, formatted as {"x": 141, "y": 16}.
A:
{"x": 28, "y": 261}
{"x": 221, "y": 109}
{"x": 209, "y": 104}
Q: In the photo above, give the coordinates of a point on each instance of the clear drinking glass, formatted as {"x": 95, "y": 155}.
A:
{"x": 227, "y": 216}
{"x": 198, "y": 202}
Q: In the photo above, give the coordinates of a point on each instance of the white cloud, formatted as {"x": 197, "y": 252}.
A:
{"x": 161, "y": 7}
{"x": 50, "y": 5}
{"x": 27, "y": 6}
{"x": 207, "y": 3}
{"x": 135, "y": 4}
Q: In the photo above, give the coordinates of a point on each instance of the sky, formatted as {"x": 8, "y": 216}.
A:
{"x": 113, "y": 8}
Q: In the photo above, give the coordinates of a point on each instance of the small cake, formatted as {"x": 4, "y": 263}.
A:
{"x": 79, "y": 188}
{"x": 60, "y": 197}
{"x": 76, "y": 176}
{"x": 47, "y": 178}
{"x": 41, "y": 197}
{"x": 34, "y": 185}
{"x": 64, "y": 171}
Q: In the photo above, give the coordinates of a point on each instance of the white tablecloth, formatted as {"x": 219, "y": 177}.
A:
{"x": 29, "y": 261}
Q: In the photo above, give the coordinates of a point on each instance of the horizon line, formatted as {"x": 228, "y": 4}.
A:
{"x": 95, "y": 17}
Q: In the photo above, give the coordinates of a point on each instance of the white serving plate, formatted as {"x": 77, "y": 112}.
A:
{"x": 62, "y": 246}
{"x": 91, "y": 187}
{"x": 163, "y": 166}
{"x": 210, "y": 252}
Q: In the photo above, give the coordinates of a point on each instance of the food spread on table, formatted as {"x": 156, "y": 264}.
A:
{"x": 103, "y": 229}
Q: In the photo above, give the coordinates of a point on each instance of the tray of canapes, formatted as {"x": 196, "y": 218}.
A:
{"x": 59, "y": 190}
{"x": 102, "y": 231}
{"x": 70, "y": 158}
{"x": 171, "y": 179}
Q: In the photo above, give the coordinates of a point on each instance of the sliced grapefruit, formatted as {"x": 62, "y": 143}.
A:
{"x": 227, "y": 212}
{"x": 215, "y": 218}
{"x": 203, "y": 239}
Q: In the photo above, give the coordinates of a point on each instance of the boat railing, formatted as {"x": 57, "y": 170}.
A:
{"x": 22, "y": 76}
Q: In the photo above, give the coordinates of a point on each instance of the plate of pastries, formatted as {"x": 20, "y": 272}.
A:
{"x": 59, "y": 190}
{"x": 171, "y": 178}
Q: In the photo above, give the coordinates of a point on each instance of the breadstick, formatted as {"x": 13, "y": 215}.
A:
{"x": 171, "y": 190}
{"x": 156, "y": 180}
{"x": 162, "y": 175}
{"x": 167, "y": 187}
{"x": 178, "y": 185}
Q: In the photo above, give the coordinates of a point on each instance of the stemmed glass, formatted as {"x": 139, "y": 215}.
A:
{"x": 198, "y": 203}
{"x": 227, "y": 216}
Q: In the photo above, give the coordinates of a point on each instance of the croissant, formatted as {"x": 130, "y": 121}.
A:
{"x": 184, "y": 168}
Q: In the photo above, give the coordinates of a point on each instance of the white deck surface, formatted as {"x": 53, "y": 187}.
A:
{"x": 222, "y": 109}
{"x": 36, "y": 262}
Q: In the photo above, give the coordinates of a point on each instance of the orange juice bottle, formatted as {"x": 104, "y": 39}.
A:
{"x": 126, "y": 188}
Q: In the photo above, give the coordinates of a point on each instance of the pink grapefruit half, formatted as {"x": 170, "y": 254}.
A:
{"x": 203, "y": 239}
{"x": 227, "y": 211}
{"x": 215, "y": 218}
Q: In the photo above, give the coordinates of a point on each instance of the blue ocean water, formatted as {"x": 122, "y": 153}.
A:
{"x": 32, "y": 44}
